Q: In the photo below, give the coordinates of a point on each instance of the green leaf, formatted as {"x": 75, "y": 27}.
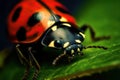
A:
{"x": 104, "y": 17}
{"x": 3, "y": 55}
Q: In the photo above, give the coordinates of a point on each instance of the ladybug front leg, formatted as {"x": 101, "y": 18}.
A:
{"x": 92, "y": 33}
{"x": 23, "y": 61}
{"x": 35, "y": 63}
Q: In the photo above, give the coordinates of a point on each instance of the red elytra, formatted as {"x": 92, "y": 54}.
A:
{"x": 24, "y": 26}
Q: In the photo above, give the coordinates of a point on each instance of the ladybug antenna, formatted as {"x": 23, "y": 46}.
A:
{"x": 58, "y": 58}
{"x": 102, "y": 47}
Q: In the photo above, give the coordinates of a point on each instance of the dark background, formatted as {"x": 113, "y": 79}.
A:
{"x": 7, "y": 5}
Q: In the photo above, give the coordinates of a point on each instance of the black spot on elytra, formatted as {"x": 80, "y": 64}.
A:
{"x": 16, "y": 14}
{"x": 34, "y": 19}
{"x": 21, "y": 34}
{"x": 62, "y": 10}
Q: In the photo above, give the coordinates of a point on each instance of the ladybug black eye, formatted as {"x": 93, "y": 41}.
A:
{"x": 58, "y": 43}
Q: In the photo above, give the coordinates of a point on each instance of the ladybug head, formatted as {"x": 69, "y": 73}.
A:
{"x": 64, "y": 36}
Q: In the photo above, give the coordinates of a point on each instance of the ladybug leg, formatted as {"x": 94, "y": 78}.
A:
{"x": 58, "y": 58}
{"x": 21, "y": 56}
{"x": 23, "y": 61}
{"x": 26, "y": 73}
{"x": 35, "y": 62}
{"x": 92, "y": 33}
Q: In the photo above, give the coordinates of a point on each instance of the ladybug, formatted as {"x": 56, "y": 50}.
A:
{"x": 34, "y": 24}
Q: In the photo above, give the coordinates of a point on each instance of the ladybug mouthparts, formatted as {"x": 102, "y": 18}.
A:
{"x": 73, "y": 49}
{"x": 70, "y": 51}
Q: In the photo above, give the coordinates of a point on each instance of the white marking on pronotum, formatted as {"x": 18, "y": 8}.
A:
{"x": 77, "y": 41}
{"x": 66, "y": 24}
{"x": 51, "y": 44}
{"x": 54, "y": 28}
{"x": 82, "y": 34}
{"x": 50, "y": 23}
{"x": 63, "y": 19}
{"x": 66, "y": 44}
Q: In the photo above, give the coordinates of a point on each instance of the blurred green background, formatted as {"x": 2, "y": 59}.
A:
{"x": 103, "y": 16}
